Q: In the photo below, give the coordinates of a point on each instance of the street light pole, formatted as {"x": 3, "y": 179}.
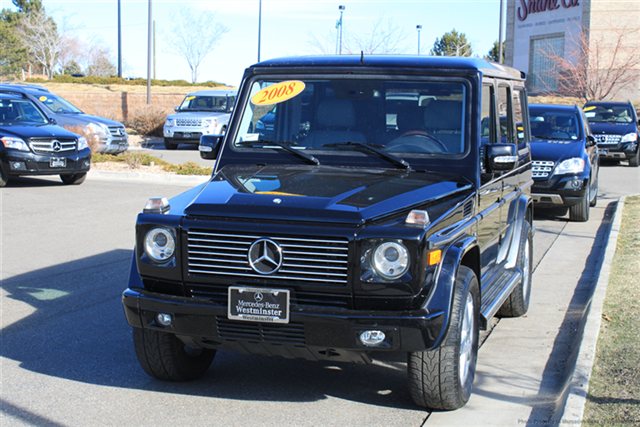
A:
{"x": 119, "y": 40}
{"x": 149, "y": 35}
{"x": 339, "y": 28}
{"x": 418, "y": 28}
{"x": 259, "y": 26}
{"x": 500, "y": 33}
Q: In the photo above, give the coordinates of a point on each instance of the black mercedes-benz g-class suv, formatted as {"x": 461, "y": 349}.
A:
{"x": 616, "y": 127}
{"x": 31, "y": 144}
{"x": 565, "y": 162}
{"x": 387, "y": 212}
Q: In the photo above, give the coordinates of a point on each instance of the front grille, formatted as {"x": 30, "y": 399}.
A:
{"x": 307, "y": 260}
{"x": 188, "y": 122}
{"x": 220, "y": 295}
{"x": 52, "y": 146}
{"x": 608, "y": 139}
{"x": 541, "y": 168}
{"x": 289, "y": 333}
{"x": 117, "y": 131}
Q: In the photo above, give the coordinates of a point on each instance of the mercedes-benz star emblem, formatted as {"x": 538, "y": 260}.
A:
{"x": 265, "y": 256}
{"x": 258, "y": 296}
{"x": 56, "y": 146}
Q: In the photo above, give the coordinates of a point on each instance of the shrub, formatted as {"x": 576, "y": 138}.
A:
{"x": 92, "y": 139}
{"x": 148, "y": 122}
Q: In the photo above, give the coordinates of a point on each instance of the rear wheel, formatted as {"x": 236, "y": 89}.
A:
{"x": 580, "y": 212}
{"x": 518, "y": 302}
{"x": 73, "y": 178}
{"x": 165, "y": 357}
{"x": 169, "y": 144}
{"x": 442, "y": 378}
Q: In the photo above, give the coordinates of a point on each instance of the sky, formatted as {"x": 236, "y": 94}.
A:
{"x": 289, "y": 27}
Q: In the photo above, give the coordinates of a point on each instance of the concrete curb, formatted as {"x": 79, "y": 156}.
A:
{"x": 148, "y": 178}
{"x": 573, "y": 412}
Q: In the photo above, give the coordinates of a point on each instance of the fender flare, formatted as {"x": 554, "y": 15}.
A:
{"x": 440, "y": 300}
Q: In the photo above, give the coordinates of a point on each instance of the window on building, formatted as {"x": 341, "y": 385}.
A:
{"x": 541, "y": 76}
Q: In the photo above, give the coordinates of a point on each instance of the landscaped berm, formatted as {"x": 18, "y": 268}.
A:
{"x": 614, "y": 390}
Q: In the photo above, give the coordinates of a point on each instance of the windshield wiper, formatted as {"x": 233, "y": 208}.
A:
{"x": 361, "y": 146}
{"x": 287, "y": 147}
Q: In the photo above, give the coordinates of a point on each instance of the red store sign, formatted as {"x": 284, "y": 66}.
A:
{"x": 528, "y": 7}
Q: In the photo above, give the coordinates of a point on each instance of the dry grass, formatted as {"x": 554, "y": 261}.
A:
{"x": 97, "y": 88}
{"x": 614, "y": 389}
{"x": 143, "y": 162}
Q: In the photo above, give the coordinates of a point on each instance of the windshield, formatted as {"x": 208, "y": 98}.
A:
{"x": 20, "y": 111}
{"x": 608, "y": 113}
{"x": 58, "y": 105}
{"x": 554, "y": 125}
{"x": 337, "y": 115}
{"x": 220, "y": 104}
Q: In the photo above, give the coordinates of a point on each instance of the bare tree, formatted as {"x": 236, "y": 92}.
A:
{"x": 385, "y": 37}
{"x": 40, "y": 35}
{"x": 72, "y": 51}
{"x": 99, "y": 62}
{"x": 194, "y": 36}
{"x": 598, "y": 68}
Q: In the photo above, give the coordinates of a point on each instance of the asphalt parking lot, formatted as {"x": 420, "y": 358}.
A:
{"x": 67, "y": 356}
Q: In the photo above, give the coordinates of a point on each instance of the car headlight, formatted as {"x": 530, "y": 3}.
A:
{"x": 82, "y": 143}
{"x": 14, "y": 143}
{"x": 98, "y": 128}
{"x": 572, "y": 165}
{"x": 170, "y": 122}
{"x": 390, "y": 260}
{"x": 630, "y": 137}
{"x": 159, "y": 244}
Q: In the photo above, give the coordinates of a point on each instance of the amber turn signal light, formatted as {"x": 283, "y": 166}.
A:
{"x": 434, "y": 257}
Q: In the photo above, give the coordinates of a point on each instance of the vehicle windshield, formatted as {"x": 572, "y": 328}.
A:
{"x": 58, "y": 105}
{"x": 370, "y": 117}
{"x": 554, "y": 125}
{"x": 20, "y": 111}
{"x": 220, "y": 104}
{"x": 608, "y": 113}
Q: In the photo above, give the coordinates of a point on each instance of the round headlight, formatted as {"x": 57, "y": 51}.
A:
{"x": 391, "y": 260}
{"x": 159, "y": 244}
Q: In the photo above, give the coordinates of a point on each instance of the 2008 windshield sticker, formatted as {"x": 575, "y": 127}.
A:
{"x": 278, "y": 92}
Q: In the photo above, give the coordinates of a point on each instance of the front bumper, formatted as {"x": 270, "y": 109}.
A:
{"x": 114, "y": 145}
{"x": 312, "y": 332}
{"x": 620, "y": 151}
{"x": 187, "y": 134}
{"x": 15, "y": 163}
{"x": 563, "y": 191}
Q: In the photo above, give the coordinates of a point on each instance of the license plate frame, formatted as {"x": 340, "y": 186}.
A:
{"x": 266, "y": 305}
{"x": 57, "y": 162}
{"x": 186, "y": 135}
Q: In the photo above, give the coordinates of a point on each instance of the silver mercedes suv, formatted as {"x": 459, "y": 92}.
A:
{"x": 205, "y": 112}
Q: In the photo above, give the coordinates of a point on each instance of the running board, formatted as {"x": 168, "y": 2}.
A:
{"x": 493, "y": 297}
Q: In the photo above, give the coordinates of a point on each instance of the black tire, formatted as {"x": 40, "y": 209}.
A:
{"x": 518, "y": 302}
{"x": 594, "y": 194}
{"x": 580, "y": 211}
{"x": 635, "y": 160}
{"x": 435, "y": 379}
{"x": 165, "y": 357}
{"x": 4, "y": 179}
{"x": 73, "y": 178}
{"x": 170, "y": 145}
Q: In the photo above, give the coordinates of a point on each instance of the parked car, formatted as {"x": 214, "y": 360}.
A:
{"x": 345, "y": 235}
{"x": 110, "y": 134}
{"x": 565, "y": 160}
{"x": 31, "y": 145}
{"x": 616, "y": 128}
{"x": 204, "y": 112}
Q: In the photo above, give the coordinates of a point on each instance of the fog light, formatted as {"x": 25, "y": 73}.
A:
{"x": 164, "y": 319}
{"x": 372, "y": 338}
{"x": 86, "y": 163}
{"x": 576, "y": 183}
{"x": 18, "y": 166}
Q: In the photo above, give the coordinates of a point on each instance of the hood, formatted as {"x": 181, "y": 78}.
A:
{"x": 555, "y": 150}
{"x": 196, "y": 115}
{"x": 319, "y": 193}
{"x": 599, "y": 128}
{"x": 36, "y": 131}
{"x": 84, "y": 119}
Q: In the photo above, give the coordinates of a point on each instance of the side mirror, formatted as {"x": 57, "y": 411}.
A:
{"x": 52, "y": 121}
{"x": 209, "y": 146}
{"x": 591, "y": 141}
{"x": 501, "y": 157}
{"x": 176, "y": 109}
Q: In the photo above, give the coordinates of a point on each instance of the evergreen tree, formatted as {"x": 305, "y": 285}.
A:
{"x": 452, "y": 44}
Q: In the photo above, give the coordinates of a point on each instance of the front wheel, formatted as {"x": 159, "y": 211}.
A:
{"x": 635, "y": 160}
{"x": 442, "y": 378}
{"x": 4, "y": 179}
{"x": 170, "y": 145}
{"x": 165, "y": 357}
{"x": 73, "y": 178}
{"x": 580, "y": 212}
